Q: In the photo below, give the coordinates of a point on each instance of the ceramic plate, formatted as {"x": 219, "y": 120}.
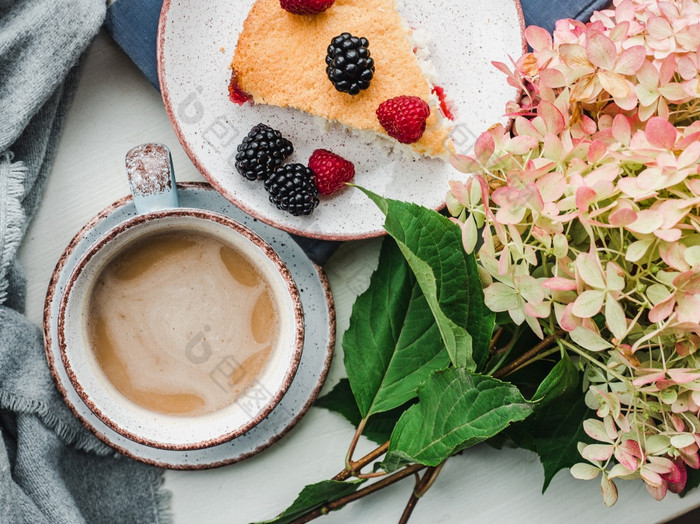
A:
{"x": 319, "y": 318}
{"x": 195, "y": 46}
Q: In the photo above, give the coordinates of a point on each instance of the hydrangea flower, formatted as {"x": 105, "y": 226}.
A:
{"x": 587, "y": 209}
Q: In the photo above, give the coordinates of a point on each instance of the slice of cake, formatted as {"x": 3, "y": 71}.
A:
{"x": 280, "y": 60}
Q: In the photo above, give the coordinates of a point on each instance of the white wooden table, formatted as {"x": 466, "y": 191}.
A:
{"x": 115, "y": 109}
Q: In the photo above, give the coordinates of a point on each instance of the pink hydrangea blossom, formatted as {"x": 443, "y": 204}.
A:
{"x": 588, "y": 212}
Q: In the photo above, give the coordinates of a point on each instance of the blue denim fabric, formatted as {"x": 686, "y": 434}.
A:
{"x": 545, "y": 13}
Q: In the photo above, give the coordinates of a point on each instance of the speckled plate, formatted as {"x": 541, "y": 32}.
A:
{"x": 319, "y": 342}
{"x": 195, "y": 46}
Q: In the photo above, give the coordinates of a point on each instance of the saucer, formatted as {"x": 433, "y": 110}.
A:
{"x": 316, "y": 357}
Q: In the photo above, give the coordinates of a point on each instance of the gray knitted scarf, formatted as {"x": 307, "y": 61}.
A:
{"x": 52, "y": 470}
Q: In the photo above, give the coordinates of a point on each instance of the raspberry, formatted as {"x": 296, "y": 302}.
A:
{"x": 292, "y": 189}
{"x": 404, "y": 118}
{"x": 349, "y": 65}
{"x": 330, "y": 171}
{"x": 262, "y": 151}
{"x": 306, "y": 7}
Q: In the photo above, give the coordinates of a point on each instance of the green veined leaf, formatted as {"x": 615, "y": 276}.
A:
{"x": 561, "y": 381}
{"x": 432, "y": 245}
{"x": 457, "y": 409}
{"x": 392, "y": 344}
{"x": 482, "y": 321}
{"x": 558, "y": 428}
{"x": 314, "y": 496}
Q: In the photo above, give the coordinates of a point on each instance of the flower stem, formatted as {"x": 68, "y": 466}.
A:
{"x": 358, "y": 465}
{"x": 337, "y": 504}
{"x": 524, "y": 359}
{"x": 422, "y": 486}
{"x": 353, "y": 443}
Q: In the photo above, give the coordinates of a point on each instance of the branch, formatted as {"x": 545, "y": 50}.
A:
{"x": 422, "y": 486}
{"x": 520, "y": 361}
{"x": 353, "y": 444}
{"x": 358, "y": 465}
{"x": 337, "y": 504}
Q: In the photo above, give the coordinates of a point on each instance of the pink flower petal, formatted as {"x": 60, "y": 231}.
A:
{"x": 659, "y": 28}
{"x": 667, "y": 69}
{"x": 596, "y": 151}
{"x": 622, "y": 217}
{"x": 689, "y": 309}
{"x": 552, "y": 117}
{"x": 673, "y": 254}
{"x": 687, "y": 68}
{"x": 601, "y": 51}
{"x": 521, "y": 145}
{"x": 524, "y": 127}
{"x": 615, "y": 318}
{"x": 673, "y": 92}
{"x": 647, "y": 222}
{"x": 609, "y": 491}
{"x": 484, "y": 148}
{"x": 588, "y": 339}
{"x": 648, "y": 75}
{"x": 649, "y": 379}
{"x": 683, "y": 376}
{"x": 627, "y": 455}
{"x": 465, "y": 164}
{"x": 678, "y": 478}
{"x": 560, "y": 284}
{"x": 631, "y": 60}
{"x": 568, "y": 321}
{"x": 621, "y": 129}
{"x": 624, "y": 12}
{"x": 662, "y": 310}
{"x": 647, "y": 96}
{"x": 585, "y": 196}
{"x": 615, "y": 84}
{"x": 574, "y": 56}
{"x": 552, "y": 78}
{"x": 588, "y": 268}
{"x": 661, "y": 133}
{"x": 538, "y": 38}
{"x": 601, "y": 452}
{"x": 595, "y": 429}
{"x": 658, "y": 491}
{"x": 589, "y": 304}
{"x": 668, "y": 235}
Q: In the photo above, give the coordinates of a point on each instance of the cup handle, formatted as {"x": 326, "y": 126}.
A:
{"x": 149, "y": 168}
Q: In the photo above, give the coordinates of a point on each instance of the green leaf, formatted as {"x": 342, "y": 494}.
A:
{"x": 693, "y": 481}
{"x": 342, "y": 401}
{"x": 314, "y": 496}
{"x": 561, "y": 381}
{"x": 457, "y": 409}
{"x": 482, "y": 321}
{"x": 392, "y": 344}
{"x": 432, "y": 245}
{"x": 558, "y": 428}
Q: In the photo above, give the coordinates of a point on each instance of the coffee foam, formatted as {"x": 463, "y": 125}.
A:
{"x": 182, "y": 323}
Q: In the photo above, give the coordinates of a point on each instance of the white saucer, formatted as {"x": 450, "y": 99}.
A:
{"x": 319, "y": 340}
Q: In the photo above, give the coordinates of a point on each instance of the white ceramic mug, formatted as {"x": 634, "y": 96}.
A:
{"x": 152, "y": 182}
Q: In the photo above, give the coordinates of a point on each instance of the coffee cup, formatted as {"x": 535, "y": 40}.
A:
{"x": 179, "y": 328}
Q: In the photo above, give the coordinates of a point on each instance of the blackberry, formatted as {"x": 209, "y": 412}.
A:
{"x": 292, "y": 189}
{"x": 261, "y": 152}
{"x": 350, "y": 66}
